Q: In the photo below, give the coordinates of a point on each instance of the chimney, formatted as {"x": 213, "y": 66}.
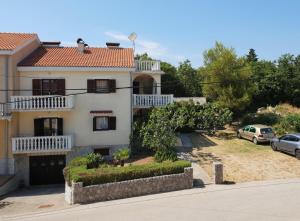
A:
{"x": 80, "y": 45}
{"x": 112, "y": 45}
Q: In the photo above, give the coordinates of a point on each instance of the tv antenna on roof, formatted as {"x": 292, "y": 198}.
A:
{"x": 132, "y": 38}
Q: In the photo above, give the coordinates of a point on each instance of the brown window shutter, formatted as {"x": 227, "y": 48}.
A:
{"x": 112, "y": 123}
{"x": 36, "y": 87}
{"x": 61, "y": 86}
{"x": 94, "y": 124}
{"x": 91, "y": 86}
{"x": 112, "y": 86}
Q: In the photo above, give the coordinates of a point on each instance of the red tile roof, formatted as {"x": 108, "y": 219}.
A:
{"x": 71, "y": 57}
{"x": 10, "y": 41}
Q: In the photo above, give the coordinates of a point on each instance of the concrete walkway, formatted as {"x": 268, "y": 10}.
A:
{"x": 201, "y": 178}
{"x": 259, "y": 201}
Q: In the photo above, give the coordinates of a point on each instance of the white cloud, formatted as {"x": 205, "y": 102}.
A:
{"x": 152, "y": 48}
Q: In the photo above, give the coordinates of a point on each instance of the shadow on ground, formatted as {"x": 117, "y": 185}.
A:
{"x": 36, "y": 191}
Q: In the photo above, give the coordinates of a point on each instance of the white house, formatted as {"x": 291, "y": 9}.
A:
{"x": 69, "y": 101}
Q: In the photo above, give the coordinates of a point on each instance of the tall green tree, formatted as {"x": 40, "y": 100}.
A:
{"x": 190, "y": 79}
{"x": 252, "y": 56}
{"x": 169, "y": 81}
{"x": 227, "y": 78}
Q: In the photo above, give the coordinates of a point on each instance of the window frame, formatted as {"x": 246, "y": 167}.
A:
{"x": 112, "y": 123}
{"x": 95, "y": 119}
{"x": 92, "y": 86}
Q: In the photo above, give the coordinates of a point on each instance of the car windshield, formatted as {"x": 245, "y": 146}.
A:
{"x": 266, "y": 130}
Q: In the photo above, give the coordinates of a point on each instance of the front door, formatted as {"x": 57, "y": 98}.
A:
{"x": 46, "y": 169}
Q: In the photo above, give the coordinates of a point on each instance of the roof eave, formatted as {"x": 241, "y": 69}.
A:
{"x": 68, "y": 68}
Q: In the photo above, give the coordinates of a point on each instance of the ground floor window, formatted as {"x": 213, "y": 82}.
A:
{"x": 104, "y": 123}
{"x": 102, "y": 151}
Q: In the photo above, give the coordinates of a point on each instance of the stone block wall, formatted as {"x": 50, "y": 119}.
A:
{"x": 131, "y": 188}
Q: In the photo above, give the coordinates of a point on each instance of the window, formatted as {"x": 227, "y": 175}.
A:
{"x": 48, "y": 127}
{"x": 48, "y": 87}
{"x": 266, "y": 130}
{"x": 102, "y": 151}
{"x": 286, "y": 137}
{"x": 101, "y": 123}
{"x": 246, "y": 129}
{"x": 294, "y": 139}
{"x": 104, "y": 123}
{"x": 252, "y": 130}
{"x": 101, "y": 86}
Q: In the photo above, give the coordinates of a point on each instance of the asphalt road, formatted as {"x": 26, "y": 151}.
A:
{"x": 272, "y": 200}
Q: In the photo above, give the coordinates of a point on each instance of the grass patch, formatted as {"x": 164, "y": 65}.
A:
{"x": 109, "y": 174}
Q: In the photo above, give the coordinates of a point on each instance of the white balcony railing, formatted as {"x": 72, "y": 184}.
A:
{"x": 147, "y": 66}
{"x": 42, "y": 144}
{"x": 42, "y": 103}
{"x": 151, "y": 100}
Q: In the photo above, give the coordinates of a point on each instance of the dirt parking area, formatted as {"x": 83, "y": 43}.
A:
{"x": 243, "y": 161}
{"x": 34, "y": 199}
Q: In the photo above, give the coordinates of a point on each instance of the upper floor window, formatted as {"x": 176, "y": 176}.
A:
{"x": 48, "y": 127}
{"x": 48, "y": 87}
{"x": 101, "y": 86}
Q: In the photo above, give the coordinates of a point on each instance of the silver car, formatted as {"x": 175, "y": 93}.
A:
{"x": 289, "y": 143}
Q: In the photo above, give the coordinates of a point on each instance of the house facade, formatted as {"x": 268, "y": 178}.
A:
{"x": 61, "y": 102}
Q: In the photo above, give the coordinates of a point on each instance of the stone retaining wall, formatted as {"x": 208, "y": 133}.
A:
{"x": 138, "y": 187}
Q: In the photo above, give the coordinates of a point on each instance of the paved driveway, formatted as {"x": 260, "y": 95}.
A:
{"x": 267, "y": 200}
{"x": 34, "y": 199}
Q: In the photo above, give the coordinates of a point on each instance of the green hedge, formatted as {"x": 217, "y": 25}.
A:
{"x": 117, "y": 174}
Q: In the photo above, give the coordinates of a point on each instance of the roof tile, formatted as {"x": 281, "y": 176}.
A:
{"x": 10, "y": 41}
{"x": 72, "y": 57}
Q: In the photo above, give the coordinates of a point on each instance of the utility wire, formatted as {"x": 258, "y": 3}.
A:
{"x": 94, "y": 89}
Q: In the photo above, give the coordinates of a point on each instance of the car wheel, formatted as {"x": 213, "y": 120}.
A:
{"x": 298, "y": 154}
{"x": 273, "y": 146}
{"x": 255, "y": 140}
{"x": 239, "y": 135}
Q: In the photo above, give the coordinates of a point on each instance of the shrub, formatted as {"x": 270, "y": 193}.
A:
{"x": 78, "y": 161}
{"x": 117, "y": 174}
{"x": 121, "y": 155}
{"x": 165, "y": 154}
{"x": 93, "y": 160}
{"x": 264, "y": 118}
{"x": 288, "y": 124}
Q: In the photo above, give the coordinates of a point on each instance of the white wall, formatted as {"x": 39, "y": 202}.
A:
{"x": 79, "y": 121}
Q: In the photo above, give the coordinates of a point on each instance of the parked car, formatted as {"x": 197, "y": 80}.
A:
{"x": 289, "y": 143}
{"x": 257, "y": 133}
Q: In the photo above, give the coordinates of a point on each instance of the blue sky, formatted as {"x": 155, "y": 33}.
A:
{"x": 170, "y": 30}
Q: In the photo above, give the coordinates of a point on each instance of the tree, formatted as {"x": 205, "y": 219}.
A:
{"x": 251, "y": 56}
{"x": 190, "y": 79}
{"x": 159, "y": 133}
{"x": 170, "y": 81}
{"x": 227, "y": 78}
{"x": 277, "y": 82}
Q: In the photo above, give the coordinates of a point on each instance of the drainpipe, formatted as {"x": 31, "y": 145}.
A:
{"x": 131, "y": 102}
{"x": 6, "y": 95}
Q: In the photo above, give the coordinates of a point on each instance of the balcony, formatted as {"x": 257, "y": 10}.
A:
{"x": 148, "y": 66}
{"x": 42, "y": 103}
{"x": 151, "y": 100}
{"x": 42, "y": 144}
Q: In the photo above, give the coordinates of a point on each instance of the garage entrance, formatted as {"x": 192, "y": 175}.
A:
{"x": 46, "y": 169}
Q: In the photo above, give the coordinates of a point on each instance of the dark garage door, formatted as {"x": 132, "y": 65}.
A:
{"x": 47, "y": 169}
